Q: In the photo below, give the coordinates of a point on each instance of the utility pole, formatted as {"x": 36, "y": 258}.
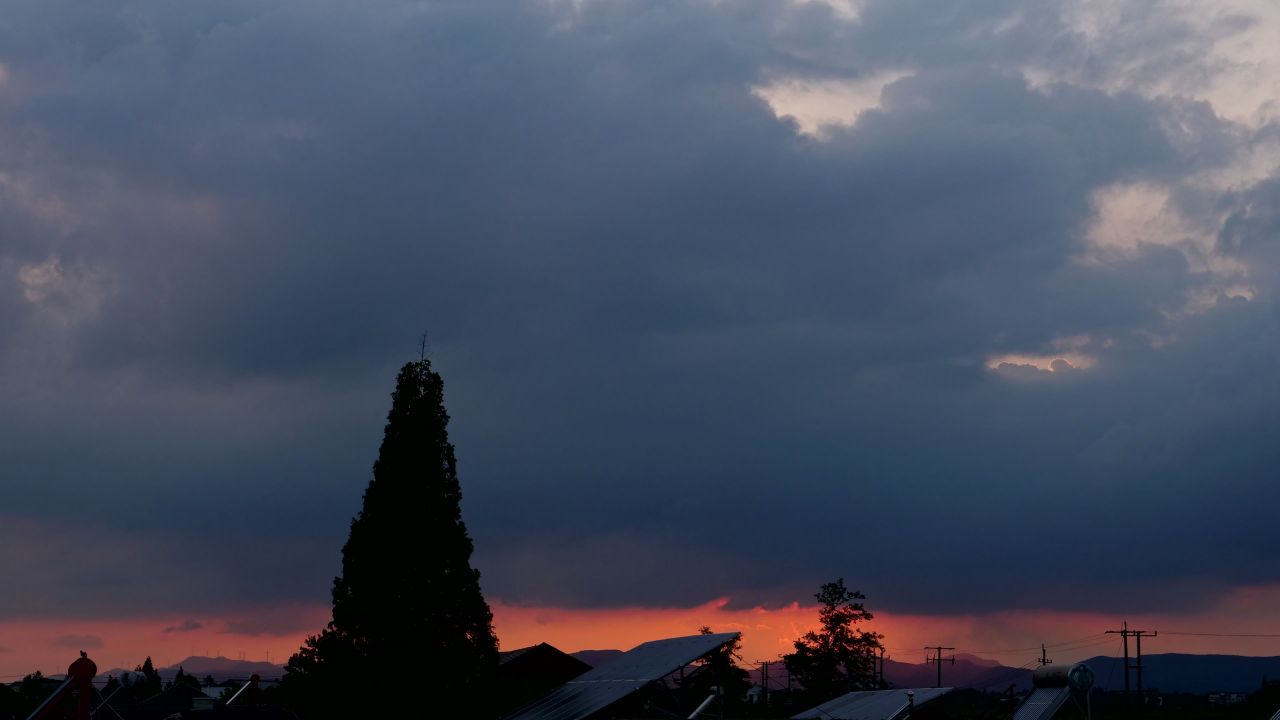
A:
{"x": 1142, "y": 698}
{"x": 939, "y": 660}
{"x": 764, "y": 680}
{"x": 1043, "y": 660}
{"x": 1125, "y": 633}
{"x": 880, "y": 672}
{"x": 1124, "y": 637}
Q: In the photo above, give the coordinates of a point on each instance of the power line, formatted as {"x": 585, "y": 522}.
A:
{"x": 1051, "y": 646}
{"x": 1078, "y": 648}
{"x": 1069, "y": 647}
{"x": 1110, "y": 673}
{"x": 1009, "y": 674}
{"x": 1235, "y": 635}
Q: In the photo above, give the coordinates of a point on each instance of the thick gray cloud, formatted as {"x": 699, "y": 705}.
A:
{"x": 690, "y": 351}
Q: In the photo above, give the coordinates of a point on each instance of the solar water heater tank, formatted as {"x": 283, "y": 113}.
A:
{"x": 1052, "y": 686}
{"x": 1078, "y": 677}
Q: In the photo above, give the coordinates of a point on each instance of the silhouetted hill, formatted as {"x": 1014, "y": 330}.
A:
{"x": 967, "y": 672}
{"x": 221, "y": 668}
{"x": 985, "y": 662}
{"x": 1180, "y": 673}
{"x": 1167, "y": 672}
{"x": 596, "y": 658}
{"x": 1170, "y": 672}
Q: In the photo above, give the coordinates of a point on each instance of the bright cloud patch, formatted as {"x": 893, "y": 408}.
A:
{"x": 817, "y": 105}
{"x": 1129, "y": 217}
{"x": 1066, "y": 354}
{"x": 1051, "y": 363}
{"x": 64, "y": 295}
{"x": 1221, "y": 52}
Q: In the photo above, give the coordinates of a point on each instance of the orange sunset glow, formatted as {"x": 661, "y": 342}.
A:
{"x": 1012, "y": 637}
{"x": 1008, "y": 637}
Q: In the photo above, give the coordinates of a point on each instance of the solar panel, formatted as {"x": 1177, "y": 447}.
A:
{"x": 631, "y": 671}
{"x": 1042, "y": 703}
{"x": 870, "y": 704}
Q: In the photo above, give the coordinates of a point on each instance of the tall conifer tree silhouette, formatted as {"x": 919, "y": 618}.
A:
{"x": 407, "y": 609}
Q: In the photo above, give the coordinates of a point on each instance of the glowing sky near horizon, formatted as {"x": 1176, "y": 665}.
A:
{"x": 1012, "y": 637}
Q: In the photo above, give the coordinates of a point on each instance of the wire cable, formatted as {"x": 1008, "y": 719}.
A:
{"x": 1048, "y": 646}
{"x": 1112, "y": 670}
{"x": 1009, "y": 674}
{"x": 1232, "y": 635}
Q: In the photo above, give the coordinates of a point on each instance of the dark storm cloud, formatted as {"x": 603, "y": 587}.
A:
{"x": 185, "y": 626}
{"x": 690, "y": 353}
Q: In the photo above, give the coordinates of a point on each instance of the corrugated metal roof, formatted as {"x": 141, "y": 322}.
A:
{"x": 1042, "y": 703}
{"x": 870, "y": 704}
{"x": 603, "y": 686}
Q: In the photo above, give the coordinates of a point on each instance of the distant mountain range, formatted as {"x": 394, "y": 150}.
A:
{"x": 596, "y": 658}
{"x": 1175, "y": 672}
{"x": 968, "y": 671}
{"x": 1169, "y": 672}
{"x": 221, "y": 668}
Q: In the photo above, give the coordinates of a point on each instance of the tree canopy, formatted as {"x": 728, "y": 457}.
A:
{"x": 183, "y": 678}
{"x": 718, "y": 672}
{"x": 407, "y": 608}
{"x": 839, "y": 656}
{"x": 150, "y": 685}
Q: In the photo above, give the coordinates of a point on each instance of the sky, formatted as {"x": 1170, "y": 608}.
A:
{"x": 974, "y": 306}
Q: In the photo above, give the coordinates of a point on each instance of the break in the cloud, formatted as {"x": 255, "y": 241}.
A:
{"x": 730, "y": 298}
